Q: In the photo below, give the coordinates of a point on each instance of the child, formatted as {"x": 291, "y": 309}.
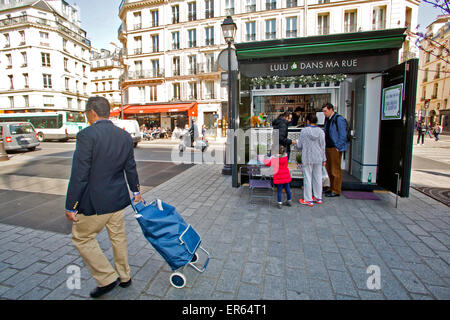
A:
{"x": 312, "y": 144}
{"x": 281, "y": 176}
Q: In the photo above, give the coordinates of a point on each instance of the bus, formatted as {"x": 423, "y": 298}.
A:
{"x": 57, "y": 125}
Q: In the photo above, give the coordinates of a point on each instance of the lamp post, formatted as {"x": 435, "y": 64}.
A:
{"x": 229, "y": 32}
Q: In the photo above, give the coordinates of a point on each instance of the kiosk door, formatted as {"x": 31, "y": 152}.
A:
{"x": 397, "y": 127}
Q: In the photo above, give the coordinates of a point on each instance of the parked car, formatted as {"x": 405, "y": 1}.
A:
{"x": 132, "y": 127}
{"x": 18, "y": 135}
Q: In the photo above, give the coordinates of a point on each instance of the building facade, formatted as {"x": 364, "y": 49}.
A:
{"x": 106, "y": 70}
{"x": 434, "y": 76}
{"x": 44, "y": 56}
{"x": 171, "y": 47}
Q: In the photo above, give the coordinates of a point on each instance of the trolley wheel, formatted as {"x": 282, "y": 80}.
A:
{"x": 178, "y": 280}
{"x": 194, "y": 258}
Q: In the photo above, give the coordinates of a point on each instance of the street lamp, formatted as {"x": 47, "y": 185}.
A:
{"x": 229, "y": 31}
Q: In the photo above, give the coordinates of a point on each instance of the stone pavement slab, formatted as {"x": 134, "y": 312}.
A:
{"x": 257, "y": 251}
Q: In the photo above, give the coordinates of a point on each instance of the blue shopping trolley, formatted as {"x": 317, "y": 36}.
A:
{"x": 175, "y": 240}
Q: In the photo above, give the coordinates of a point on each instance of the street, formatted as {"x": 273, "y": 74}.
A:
{"x": 33, "y": 184}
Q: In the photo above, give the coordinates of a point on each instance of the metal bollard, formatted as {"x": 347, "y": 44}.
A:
{"x": 3, "y": 155}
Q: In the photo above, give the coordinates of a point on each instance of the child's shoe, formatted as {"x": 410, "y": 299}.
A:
{"x": 280, "y": 205}
{"x": 307, "y": 203}
{"x": 318, "y": 201}
{"x": 288, "y": 203}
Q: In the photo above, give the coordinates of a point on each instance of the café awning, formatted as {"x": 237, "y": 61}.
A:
{"x": 191, "y": 108}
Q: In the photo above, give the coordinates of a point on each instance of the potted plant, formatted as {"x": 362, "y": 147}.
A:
{"x": 298, "y": 159}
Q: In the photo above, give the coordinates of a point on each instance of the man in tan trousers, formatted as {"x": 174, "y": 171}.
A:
{"x": 97, "y": 195}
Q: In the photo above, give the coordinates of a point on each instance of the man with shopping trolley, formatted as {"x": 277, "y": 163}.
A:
{"x": 97, "y": 195}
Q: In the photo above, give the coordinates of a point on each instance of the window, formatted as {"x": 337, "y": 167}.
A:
{"x": 7, "y": 41}
{"x": 209, "y": 36}
{"x": 48, "y": 101}
{"x": 11, "y": 81}
{"x": 9, "y": 59}
{"x": 270, "y": 29}
{"x": 250, "y": 6}
{"x": 69, "y": 103}
{"x": 425, "y": 77}
{"x": 291, "y": 27}
{"x": 47, "y": 81}
{"x": 26, "y": 101}
{"x": 192, "y": 91}
{"x": 176, "y": 14}
{"x": 64, "y": 44}
{"x": 323, "y": 24}
{"x": 192, "y": 64}
{"x": 435, "y": 91}
{"x": 176, "y": 91}
{"x": 96, "y": 87}
{"x": 428, "y": 56}
{"x": 210, "y": 63}
{"x": 176, "y": 40}
{"x": 137, "y": 20}
{"x": 271, "y": 4}
{"x": 209, "y": 90}
{"x": 291, "y": 3}
{"x": 250, "y": 31}
{"x": 192, "y": 11}
{"x": 192, "y": 38}
{"x": 45, "y": 59}
{"x": 350, "y": 24}
{"x": 153, "y": 93}
{"x": 137, "y": 45}
{"x": 176, "y": 66}
{"x": 379, "y": 18}
{"x": 155, "y": 68}
{"x": 438, "y": 71}
{"x": 66, "y": 80}
{"x": 155, "y": 18}
{"x": 43, "y": 35}
{"x": 84, "y": 70}
{"x": 324, "y": 1}
{"x": 24, "y": 59}
{"x": 26, "y": 81}
{"x": 229, "y": 7}
{"x": 22, "y": 37}
{"x": 155, "y": 43}
{"x": 11, "y": 101}
{"x": 209, "y": 9}
{"x": 138, "y": 67}
{"x": 66, "y": 64}
{"x": 141, "y": 94}
{"x": 85, "y": 87}
{"x": 76, "y": 68}
{"x": 424, "y": 92}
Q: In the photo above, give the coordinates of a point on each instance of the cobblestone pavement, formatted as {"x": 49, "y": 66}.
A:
{"x": 257, "y": 251}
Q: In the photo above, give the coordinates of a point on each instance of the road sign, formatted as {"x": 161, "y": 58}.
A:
{"x": 222, "y": 60}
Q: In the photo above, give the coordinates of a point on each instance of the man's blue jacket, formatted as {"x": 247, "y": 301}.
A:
{"x": 338, "y": 131}
{"x": 104, "y": 155}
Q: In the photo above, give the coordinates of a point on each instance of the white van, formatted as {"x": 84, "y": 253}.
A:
{"x": 131, "y": 126}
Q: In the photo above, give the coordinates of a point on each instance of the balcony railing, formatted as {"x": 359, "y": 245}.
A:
{"x": 138, "y": 51}
{"x": 209, "y": 42}
{"x": 209, "y": 14}
{"x": 271, "y": 35}
{"x": 379, "y": 26}
{"x": 24, "y": 19}
{"x": 323, "y": 30}
{"x": 192, "y": 16}
{"x": 350, "y": 27}
{"x": 192, "y": 44}
{"x": 142, "y": 74}
{"x": 250, "y": 37}
{"x": 291, "y": 34}
{"x": 192, "y": 70}
{"x": 137, "y": 26}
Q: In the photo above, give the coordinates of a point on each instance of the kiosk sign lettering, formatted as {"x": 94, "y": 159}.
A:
{"x": 391, "y": 108}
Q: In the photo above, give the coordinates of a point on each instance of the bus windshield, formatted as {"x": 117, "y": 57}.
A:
{"x": 76, "y": 117}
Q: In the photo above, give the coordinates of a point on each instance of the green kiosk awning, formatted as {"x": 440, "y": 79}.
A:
{"x": 344, "y": 42}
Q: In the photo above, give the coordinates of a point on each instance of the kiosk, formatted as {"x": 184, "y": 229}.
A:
{"x": 360, "y": 75}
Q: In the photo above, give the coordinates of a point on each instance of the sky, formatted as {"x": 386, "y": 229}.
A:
{"x": 99, "y": 18}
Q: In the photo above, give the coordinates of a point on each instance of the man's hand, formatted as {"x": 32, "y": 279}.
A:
{"x": 138, "y": 198}
{"x": 71, "y": 216}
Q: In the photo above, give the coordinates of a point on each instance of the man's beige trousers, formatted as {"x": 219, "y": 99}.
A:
{"x": 84, "y": 233}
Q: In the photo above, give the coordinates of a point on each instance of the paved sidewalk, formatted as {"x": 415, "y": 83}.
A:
{"x": 258, "y": 252}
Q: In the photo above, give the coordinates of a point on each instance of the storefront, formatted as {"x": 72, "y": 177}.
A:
{"x": 359, "y": 74}
{"x": 160, "y": 115}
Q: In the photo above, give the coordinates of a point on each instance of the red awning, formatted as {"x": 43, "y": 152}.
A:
{"x": 191, "y": 108}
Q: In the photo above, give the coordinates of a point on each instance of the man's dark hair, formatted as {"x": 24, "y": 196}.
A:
{"x": 100, "y": 105}
{"x": 312, "y": 118}
{"x": 328, "y": 105}
{"x": 284, "y": 115}
{"x": 298, "y": 109}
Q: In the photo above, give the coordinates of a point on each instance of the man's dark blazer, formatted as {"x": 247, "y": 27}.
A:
{"x": 103, "y": 156}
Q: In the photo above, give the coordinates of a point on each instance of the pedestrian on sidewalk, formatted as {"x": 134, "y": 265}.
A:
{"x": 436, "y": 131}
{"x": 421, "y": 129}
{"x": 336, "y": 142}
{"x": 312, "y": 144}
{"x": 281, "y": 124}
{"x": 429, "y": 130}
{"x": 281, "y": 176}
{"x": 97, "y": 195}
